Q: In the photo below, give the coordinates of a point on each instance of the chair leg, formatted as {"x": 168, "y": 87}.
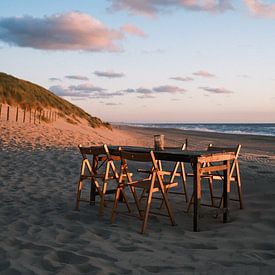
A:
{"x": 210, "y": 183}
{"x": 170, "y": 213}
{"x": 92, "y": 194}
{"x": 183, "y": 175}
{"x": 190, "y": 202}
{"x": 137, "y": 202}
{"x": 102, "y": 199}
{"x": 115, "y": 204}
{"x": 146, "y": 213}
{"x": 239, "y": 186}
{"x": 78, "y": 194}
{"x": 125, "y": 199}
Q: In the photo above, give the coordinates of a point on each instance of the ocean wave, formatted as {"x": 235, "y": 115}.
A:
{"x": 264, "y": 129}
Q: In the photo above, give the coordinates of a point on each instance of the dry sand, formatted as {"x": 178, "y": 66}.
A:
{"x": 40, "y": 233}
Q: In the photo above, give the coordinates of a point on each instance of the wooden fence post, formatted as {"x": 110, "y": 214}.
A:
{"x": 30, "y": 115}
{"x": 34, "y": 118}
{"x": 24, "y": 116}
{"x": 16, "y": 118}
{"x": 8, "y": 113}
{"x": 40, "y": 116}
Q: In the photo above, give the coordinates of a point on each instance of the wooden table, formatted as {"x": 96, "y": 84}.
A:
{"x": 220, "y": 162}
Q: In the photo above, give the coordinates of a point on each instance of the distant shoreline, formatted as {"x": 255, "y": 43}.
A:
{"x": 200, "y": 139}
{"x": 258, "y": 129}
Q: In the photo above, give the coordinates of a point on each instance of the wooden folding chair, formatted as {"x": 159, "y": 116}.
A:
{"x": 97, "y": 167}
{"x": 176, "y": 173}
{"x": 152, "y": 183}
{"x": 178, "y": 170}
{"x": 234, "y": 173}
{"x": 234, "y": 177}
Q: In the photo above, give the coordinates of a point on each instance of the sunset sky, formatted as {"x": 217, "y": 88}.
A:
{"x": 147, "y": 60}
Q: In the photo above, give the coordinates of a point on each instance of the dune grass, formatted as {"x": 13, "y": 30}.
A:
{"x": 25, "y": 94}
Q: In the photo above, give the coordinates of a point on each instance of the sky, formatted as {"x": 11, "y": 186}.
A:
{"x": 147, "y": 60}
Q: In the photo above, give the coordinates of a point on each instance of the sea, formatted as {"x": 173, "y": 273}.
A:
{"x": 262, "y": 129}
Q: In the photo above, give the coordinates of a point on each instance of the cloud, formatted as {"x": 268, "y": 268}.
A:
{"x": 182, "y": 78}
{"x": 54, "y": 79}
{"x": 68, "y": 31}
{"x": 151, "y": 93}
{"x": 168, "y": 89}
{"x": 112, "y": 104}
{"x": 216, "y": 90}
{"x": 83, "y": 91}
{"x": 108, "y": 74}
{"x": 133, "y": 30}
{"x": 204, "y": 74}
{"x": 258, "y": 8}
{"x": 146, "y": 96}
{"x": 62, "y": 90}
{"x": 77, "y": 77}
{"x": 152, "y": 7}
{"x": 86, "y": 87}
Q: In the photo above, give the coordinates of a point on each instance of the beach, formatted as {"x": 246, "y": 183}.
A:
{"x": 40, "y": 233}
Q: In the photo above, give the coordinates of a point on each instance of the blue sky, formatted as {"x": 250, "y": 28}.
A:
{"x": 147, "y": 61}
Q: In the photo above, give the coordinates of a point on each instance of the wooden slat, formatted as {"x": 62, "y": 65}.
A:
{"x": 136, "y": 156}
{"x": 213, "y": 168}
{"x": 217, "y": 157}
{"x": 92, "y": 150}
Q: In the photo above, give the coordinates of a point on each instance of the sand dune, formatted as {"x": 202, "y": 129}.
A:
{"x": 40, "y": 233}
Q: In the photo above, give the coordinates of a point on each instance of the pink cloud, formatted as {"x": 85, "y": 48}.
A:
{"x": 109, "y": 74}
{"x": 168, "y": 89}
{"x": 69, "y": 31}
{"x": 204, "y": 74}
{"x": 151, "y": 7}
{"x": 179, "y": 78}
{"x": 133, "y": 30}
{"x": 258, "y": 8}
{"x": 216, "y": 90}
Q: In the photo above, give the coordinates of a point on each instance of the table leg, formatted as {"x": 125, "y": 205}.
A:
{"x": 93, "y": 190}
{"x": 226, "y": 191}
{"x": 197, "y": 195}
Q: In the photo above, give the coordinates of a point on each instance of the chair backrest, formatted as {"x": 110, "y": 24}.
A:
{"x": 235, "y": 149}
{"x": 91, "y": 150}
{"x": 136, "y": 156}
{"x": 174, "y": 172}
{"x": 100, "y": 154}
{"x": 144, "y": 157}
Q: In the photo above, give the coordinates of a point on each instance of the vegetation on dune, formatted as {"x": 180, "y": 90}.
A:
{"x": 25, "y": 94}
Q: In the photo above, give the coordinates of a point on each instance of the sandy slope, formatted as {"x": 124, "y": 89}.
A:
{"x": 40, "y": 232}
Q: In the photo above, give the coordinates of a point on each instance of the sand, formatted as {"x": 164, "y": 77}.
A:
{"x": 40, "y": 233}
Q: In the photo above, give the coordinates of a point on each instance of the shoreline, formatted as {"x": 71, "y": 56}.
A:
{"x": 200, "y": 139}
